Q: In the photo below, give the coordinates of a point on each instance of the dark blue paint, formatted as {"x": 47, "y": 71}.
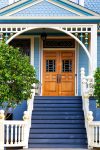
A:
{"x": 19, "y": 110}
{"x": 92, "y": 107}
{"x": 52, "y": 128}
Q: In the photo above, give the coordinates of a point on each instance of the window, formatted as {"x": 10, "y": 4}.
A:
{"x": 50, "y": 66}
{"x": 66, "y": 65}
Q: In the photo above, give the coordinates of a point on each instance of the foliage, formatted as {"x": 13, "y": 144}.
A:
{"x": 97, "y": 85}
{"x": 16, "y": 76}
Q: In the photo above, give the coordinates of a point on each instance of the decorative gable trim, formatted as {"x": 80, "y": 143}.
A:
{"x": 65, "y": 4}
{"x": 22, "y": 8}
{"x": 17, "y": 6}
{"x": 66, "y": 8}
{"x": 76, "y": 7}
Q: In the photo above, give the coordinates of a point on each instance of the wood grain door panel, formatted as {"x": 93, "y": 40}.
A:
{"x": 58, "y": 73}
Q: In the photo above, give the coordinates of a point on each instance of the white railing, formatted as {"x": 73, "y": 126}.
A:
{"x": 16, "y": 133}
{"x": 92, "y": 127}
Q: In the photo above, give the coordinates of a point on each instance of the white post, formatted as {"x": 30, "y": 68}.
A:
{"x": 93, "y": 48}
{"x": 83, "y": 81}
{"x": 90, "y": 129}
{"x": 2, "y": 129}
{"x": 26, "y": 128}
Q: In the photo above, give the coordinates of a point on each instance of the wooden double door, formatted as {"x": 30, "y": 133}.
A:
{"x": 58, "y": 73}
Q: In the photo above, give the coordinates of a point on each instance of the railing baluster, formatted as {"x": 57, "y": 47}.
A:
{"x": 7, "y": 134}
{"x": 95, "y": 134}
{"x": 19, "y": 134}
{"x": 99, "y": 135}
{"x": 22, "y": 133}
{"x": 11, "y": 134}
{"x": 16, "y": 134}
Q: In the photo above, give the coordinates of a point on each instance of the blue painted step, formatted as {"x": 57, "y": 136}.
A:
{"x": 67, "y": 117}
{"x": 58, "y": 97}
{"x": 58, "y": 105}
{"x": 58, "y": 131}
{"x": 56, "y": 113}
{"x": 57, "y": 122}
{"x": 52, "y": 141}
{"x": 59, "y": 101}
{"x": 78, "y": 145}
{"x": 57, "y": 126}
{"x": 58, "y": 136}
{"x": 58, "y": 109}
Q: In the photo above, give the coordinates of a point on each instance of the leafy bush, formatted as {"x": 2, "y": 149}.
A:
{"x": 16, "y": 76}
{"x": 97, "y": 85}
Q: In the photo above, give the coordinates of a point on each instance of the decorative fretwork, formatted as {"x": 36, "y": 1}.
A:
{"x": 82, "y": 32}
{"x": 77, "y": 29}
{"x": 6, "y": 33}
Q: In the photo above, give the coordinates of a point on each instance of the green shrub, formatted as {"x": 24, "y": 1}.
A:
{"x": 97, "y": 85}
{"x": 16, "y": 76}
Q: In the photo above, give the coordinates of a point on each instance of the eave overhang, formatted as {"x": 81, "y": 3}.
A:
{"x": 55, "y": 20}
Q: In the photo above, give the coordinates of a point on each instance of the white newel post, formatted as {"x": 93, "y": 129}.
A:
{"x": 26, "y": 128}
{"x": 2, "y": 129}
{"x": 90, "y": 129}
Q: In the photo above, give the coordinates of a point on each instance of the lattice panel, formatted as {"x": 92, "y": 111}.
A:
{"x": 13, "y": 30}
{"x": 77, "y": 29}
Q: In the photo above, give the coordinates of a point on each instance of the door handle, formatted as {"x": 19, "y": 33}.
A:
{"x": 58, "y": 78}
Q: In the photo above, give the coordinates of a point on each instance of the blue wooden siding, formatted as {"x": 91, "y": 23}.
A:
{"x": 98, "y": 51}
{"x": 36, "y": 55}
{"x": 44, "y": 8}
{"x": 83, "y": 62}
{"x": 19, "y": 110}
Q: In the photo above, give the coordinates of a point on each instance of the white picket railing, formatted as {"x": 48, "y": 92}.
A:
{"x": 92, "y": 127}
{"x": 16, "y": 133}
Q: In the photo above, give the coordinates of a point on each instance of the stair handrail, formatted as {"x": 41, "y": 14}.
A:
{"x": 87, "y": 90}
{"x": 28, "y": 114}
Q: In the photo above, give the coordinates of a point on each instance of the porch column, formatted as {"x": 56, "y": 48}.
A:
{"x": 93, "y": 47}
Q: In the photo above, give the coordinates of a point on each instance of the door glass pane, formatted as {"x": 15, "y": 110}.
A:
{"x": 67, "y": 65}
{"x": 50, "y": 65}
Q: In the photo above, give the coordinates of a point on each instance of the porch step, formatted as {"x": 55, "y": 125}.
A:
{"x": 57, "y": 122}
